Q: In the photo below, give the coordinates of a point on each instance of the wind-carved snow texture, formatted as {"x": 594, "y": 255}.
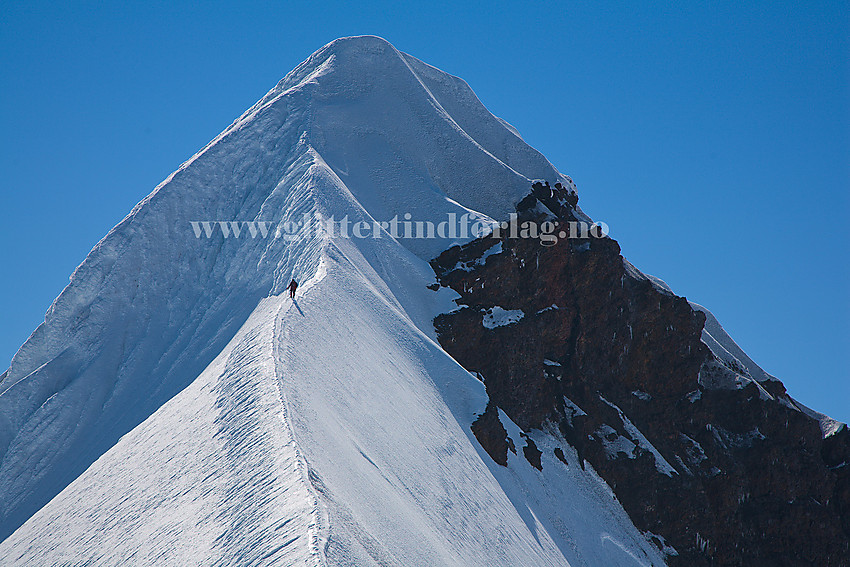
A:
{"x": 213, "y": 475}
{"x": 177, "y": 408}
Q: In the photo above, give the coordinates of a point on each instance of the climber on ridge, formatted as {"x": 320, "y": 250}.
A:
{"x": 293, "y": 285}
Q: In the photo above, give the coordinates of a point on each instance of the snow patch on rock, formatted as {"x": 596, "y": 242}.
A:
{"x": 660, "y": 462}
{"x": 499, "y": 317}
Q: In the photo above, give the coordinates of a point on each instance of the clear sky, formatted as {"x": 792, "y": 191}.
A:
{"x": 713, "y": 138}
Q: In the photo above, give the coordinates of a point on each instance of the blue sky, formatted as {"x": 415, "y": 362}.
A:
{"x": 713, "y": 138}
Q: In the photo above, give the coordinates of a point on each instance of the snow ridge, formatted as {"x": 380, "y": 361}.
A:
{"x": 174, "y": 388}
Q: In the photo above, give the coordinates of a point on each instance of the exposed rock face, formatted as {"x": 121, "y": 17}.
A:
{"x": 726, "y": 469}
{"x": 492, "y": 436}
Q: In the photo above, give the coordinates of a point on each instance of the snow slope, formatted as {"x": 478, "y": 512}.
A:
{"x": 212, "y": 477}
{"x": 176, "y": 408}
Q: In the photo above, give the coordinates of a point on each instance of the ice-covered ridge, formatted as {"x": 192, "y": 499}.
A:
{"x": 171, "y": 371}
{"x": 214, "y": 474}
{"x": 363, "y": 431}
{"x": 725, "y": 348}
{"x": 355, "y": 130}
{"x": 828, "y": 425}
{"x": 713, "y": 335}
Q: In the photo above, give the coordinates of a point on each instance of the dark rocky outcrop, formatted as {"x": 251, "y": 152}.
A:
{"x": 532, "y": 453}
{"x": 726, "y": 469}
{"x": 559, "y": 453}
{"x": 492, "y": 436}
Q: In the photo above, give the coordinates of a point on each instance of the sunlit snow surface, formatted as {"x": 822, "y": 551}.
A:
{"x": 177, "y": 408}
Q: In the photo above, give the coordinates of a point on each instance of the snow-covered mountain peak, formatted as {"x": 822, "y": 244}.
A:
{"x": 361, "y": 55}
{"x": 358, "y": 130}
{"x": 174, "y": 387}
{"x": 404, "y": 136}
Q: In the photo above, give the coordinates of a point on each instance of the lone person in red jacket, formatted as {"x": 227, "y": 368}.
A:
{"x": 293, "y": 285}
